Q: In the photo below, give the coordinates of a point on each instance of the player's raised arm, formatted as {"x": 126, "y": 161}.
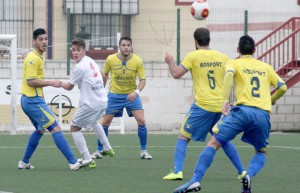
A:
{"x": 176, "y": 71}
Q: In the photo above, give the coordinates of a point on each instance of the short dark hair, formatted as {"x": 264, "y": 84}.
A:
{"x": 246, "y": 45}
{"x": 78, "y": 42}
{"x": 202, "y": 36}
{"x": 38, "y": 32}
{"x": 125, "y": 38}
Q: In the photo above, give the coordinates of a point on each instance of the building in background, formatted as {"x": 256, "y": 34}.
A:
{"x": 156, "y": 26}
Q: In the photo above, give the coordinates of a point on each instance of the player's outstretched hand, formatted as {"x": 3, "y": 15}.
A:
{"x": 56, "y": 83}
{"x": 64, "y": 85}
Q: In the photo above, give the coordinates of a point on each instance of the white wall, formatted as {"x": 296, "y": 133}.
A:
{"x": 166, "y": 100}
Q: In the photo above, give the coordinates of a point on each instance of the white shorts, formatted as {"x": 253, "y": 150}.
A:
{"x": 86, "y": 117}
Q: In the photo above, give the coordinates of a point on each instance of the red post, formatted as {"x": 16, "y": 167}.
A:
{"x": 298, "y": 2}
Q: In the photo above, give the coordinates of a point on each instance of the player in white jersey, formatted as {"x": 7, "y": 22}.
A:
{"x": 87, "y": 75}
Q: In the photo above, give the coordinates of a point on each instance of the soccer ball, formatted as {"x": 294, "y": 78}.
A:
{"x": 200, "y": 9}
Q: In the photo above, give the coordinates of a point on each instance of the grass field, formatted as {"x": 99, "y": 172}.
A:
{"x": 127, "y": 173}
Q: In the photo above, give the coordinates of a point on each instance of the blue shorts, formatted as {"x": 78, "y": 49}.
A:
{"x": 117, "y": 102}
{"x": 198, "y": 123}
{"x": 38, "y": 112}
{"x": 254, "y": 122}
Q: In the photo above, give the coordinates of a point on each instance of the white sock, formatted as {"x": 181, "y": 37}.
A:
{"x": 101, "y": 136}
{"x": 81, "y": 145}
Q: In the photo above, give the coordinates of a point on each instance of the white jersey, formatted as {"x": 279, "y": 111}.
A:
{"x": 86, "y": 75}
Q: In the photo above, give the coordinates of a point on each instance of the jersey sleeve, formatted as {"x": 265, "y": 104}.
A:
{"x": 230, "y": 67}
{"x": 226, "y": 61}
{"x": 107, "y": 65}
{"x": 76, "y": 76}
{"x": 32, "y": 67}
{"x": 187, "y": 62}
{"x": 276, "y": 81}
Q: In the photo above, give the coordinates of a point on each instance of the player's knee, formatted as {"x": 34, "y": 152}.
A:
{"x": 214, "y": 143}
{"x": 106, "y": 121}
{"x": 140, "y": 121}
{"x": 55, "y": 129}
{"x": 40, "y": 131}
{"x": 263, "y": 150}
{"x": 75, "y": 128}
{"x": 180, "y": 136}
{"x": 93, "y": 125}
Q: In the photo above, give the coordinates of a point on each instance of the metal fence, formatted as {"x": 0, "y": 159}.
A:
{"x": 154, "y": 31}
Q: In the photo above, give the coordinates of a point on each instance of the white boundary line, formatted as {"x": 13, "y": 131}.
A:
{"x": 150, "y": 146}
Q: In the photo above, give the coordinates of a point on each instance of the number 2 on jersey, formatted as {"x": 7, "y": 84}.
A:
{"x": 255, "y": 83}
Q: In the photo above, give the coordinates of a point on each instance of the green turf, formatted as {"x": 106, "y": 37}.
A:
{"x": 127, "y": 173}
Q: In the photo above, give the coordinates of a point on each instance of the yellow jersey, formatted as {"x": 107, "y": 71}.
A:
{"x": 207, "y": 68}
{"x": 33, "y": 68}
{"x": 253, "y": 79}
{"x": 124, "y": 73}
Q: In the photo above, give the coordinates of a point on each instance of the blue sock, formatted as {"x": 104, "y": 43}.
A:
{"x": 100, "y": 146}
{"x": 33, "y": 142}
{"x": 204, "y": 161}
{"x": 256, "y": 164}
{"x": 142, "y": 133}
{"x": 234, "y": 157}
{"x": 179, "y": 155}
{"x": 62, "y": 144}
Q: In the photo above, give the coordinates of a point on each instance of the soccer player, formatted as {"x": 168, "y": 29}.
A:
{"x": 250, "y": 113}
{"x": 87, "y": 76}
{"x": 35, "y": 107}
{"x": 207, "y": 70}
{"x": 124, "y": 92}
